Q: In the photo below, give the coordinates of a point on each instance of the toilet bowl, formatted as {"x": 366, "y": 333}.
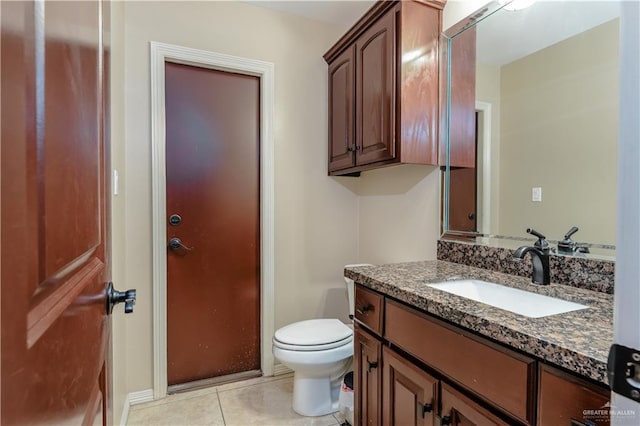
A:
{"x": 320, "y": 352}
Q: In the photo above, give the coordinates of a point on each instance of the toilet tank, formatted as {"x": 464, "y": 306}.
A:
{"x": 351, "y": 288}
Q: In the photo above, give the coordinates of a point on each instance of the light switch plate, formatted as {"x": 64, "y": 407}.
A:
{"x": 115, "y": 182}
{"x": 536, "y": 194}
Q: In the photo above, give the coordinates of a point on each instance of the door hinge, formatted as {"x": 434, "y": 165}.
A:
{"x": 623, "y": 371}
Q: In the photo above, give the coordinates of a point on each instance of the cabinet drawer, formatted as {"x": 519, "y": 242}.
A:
{"x": 501, "y": 377}
{"x": 564, "y": 398}
{"x": 368, "y": 309}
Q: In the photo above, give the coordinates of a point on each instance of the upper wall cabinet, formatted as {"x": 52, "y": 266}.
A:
{"x": 383, "y": 88}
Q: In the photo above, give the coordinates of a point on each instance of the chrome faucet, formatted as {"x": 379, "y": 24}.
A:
{"x": 539, "y": 257}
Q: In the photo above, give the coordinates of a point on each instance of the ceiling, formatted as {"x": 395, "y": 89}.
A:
{"x": 510, "y": 35}
{"x": 501, "y": 38}
{"x": 338, "y": 13}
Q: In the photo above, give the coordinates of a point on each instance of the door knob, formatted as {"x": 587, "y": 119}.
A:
{"x": 114, "y": 297}
{"x": 176, "y": 243}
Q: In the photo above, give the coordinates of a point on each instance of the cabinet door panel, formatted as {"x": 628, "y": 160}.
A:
{"x": 375, "y": 93}
{"x": 418, "y": 83}
{"x": 409, "y": 396}
{"x": 458, "y": 410}
{"x": 368, "y": 378}
{"x": 341, "y": 111}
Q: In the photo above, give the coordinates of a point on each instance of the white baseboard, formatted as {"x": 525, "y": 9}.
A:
{"x": 140, "y": 397}
{"x": 134, "y": 398}
{"x": 280, "y": 369}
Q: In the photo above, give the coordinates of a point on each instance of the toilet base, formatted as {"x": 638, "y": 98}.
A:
{"x": 316, "y": 396}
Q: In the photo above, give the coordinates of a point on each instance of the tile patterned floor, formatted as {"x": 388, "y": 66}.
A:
{"x": 263, "y": 401}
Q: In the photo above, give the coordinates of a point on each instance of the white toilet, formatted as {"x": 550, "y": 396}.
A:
{"x": 319, "y": 352}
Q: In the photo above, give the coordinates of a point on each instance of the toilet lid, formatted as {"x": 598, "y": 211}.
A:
{"x": 317, "y": 334}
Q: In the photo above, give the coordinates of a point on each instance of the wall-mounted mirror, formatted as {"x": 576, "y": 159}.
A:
{"x": 530, "y": 122}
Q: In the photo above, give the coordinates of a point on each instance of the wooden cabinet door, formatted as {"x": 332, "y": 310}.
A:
{"x": 563, "y": 399}
{"x": 368, "y": 378}
{"x": 462, "y": 136}
{"x": 409, "y": 394}
{"x": 458, "y": 410}
{"x": 376, "y": 91}
{"x": 341, "y": 111}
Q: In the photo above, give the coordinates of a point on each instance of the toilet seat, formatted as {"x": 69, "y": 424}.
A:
{"x": 313, "y": 335}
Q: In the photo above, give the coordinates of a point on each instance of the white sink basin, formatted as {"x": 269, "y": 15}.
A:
{"x": 521, "y": 302}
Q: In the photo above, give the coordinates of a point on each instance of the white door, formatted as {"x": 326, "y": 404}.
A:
{"x": 627, "y": 293}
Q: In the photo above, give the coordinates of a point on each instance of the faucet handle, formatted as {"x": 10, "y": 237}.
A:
{"x": 535, "y": 233}
{"x": 571, "y": 231}
{"x": 542, "y": 242}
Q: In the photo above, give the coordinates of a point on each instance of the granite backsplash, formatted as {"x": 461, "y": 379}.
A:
{"x": 590, "y": 274}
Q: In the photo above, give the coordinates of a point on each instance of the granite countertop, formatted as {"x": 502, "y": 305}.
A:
{"x": 578, "y": 341}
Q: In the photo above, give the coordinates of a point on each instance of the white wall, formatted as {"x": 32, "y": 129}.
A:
{"x": 399, "y": 214}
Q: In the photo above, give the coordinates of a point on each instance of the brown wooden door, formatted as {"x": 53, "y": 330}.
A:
{"x": 409, "y": 394}
{"x": 55, "y": 221}
{"x": 376, "y": 91}
{"x": 462, "y": 199}
{"x": 367, "y": 378}
{"x": 341, "y": 111}
{"x": 458, "y": 410}
{"x": 213, "y": 180}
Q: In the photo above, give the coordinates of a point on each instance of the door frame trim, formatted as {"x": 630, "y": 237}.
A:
{"x": 485, "y": 109}
{"x": 161, "y": 53}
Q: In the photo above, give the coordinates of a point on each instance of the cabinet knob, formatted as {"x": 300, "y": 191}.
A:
{"x": 446, "y": 420}
{"x": 372, "y": 365}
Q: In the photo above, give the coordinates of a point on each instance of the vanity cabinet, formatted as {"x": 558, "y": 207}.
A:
{"x": 414, "y": 369}
{"x": 367, "y": 358}
{"x": 501, "y": 377}
{"x": 409, "y": 396}
{"x": 457, "y": 409}
{"x": 563, "y": 399}
{"x": 367, "y": 367}
{"x": 384, "y": 88}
